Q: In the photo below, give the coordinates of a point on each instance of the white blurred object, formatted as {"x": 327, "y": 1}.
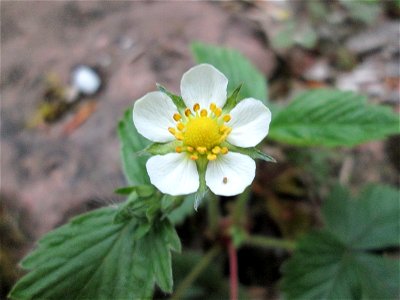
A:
{"x": 85, "y": 80}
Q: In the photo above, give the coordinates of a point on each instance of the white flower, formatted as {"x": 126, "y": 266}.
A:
{"x": 202, "y": 133}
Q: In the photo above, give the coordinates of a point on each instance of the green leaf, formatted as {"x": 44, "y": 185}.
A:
{"x": 369, "y": 222}
{"x": 324, "y": 268}
{"x": 92, "y": 258}
{"x": 332, "y": 118}
{"x": 134, "y": 166}
{"x": 142, "y": 190}
{"x": 336, "y": 262}
{"x": 237, "y": 68}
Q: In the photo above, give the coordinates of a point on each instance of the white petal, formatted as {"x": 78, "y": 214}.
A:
{"x": 173, "y": 173}
{"x": 230, "y": 174}
{"x": 204, "y": 84}
{"x": 249, "y": 122}
{"x": 152, "y": 115}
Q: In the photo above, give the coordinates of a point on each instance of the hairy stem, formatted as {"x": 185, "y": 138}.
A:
{"x": 233, "y": 271}
{"x": 196, "y": 271}
{"x": 213, "y": 214}
{"x": 267, "y": 242}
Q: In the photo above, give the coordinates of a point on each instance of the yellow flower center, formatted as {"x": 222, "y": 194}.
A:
{"x": 201, "y": 132}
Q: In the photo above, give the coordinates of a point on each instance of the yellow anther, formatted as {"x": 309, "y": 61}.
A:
{"x": 172, "y": 130}
{"x": 201, "y": 150}
{"x": 194, "y": 156}
{"x": 213, "y": 106}
{"x": 203, "y": 113}
{"x": 196, "y": 107}
{"x": 216, "y": 150}
{"x": 223, "y": 128}
{"x": 227, "y": 118}
{"x": 187, "y": 112}
{"x": 178, "y": 149}
{"x": 177, "y": 117}
{"x": 179, "y": 136}
{"x": 211, "y": 156}
{"x": 190, "y": 149}
{"x": 218, "y": 111}
{"x": 180, "y": 126}
{"x": 224, "y": 150}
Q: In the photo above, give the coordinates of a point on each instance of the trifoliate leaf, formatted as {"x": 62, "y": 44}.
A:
{"x": 337, "y": 262}
{"x": 332, "y": 118}
{"x": 92, "y": 258}
{"x": 237, "y": 68}
{"x": 133, "y": 165}
{"x": 369, "y": 222}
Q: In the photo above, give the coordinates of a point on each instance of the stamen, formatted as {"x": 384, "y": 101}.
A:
{"x": 213, "y": 106}
{"x": 218, "y": 111}
{"x": 194, "y": 156}
{"x": 180, "y": 126}
{"x": 196, "y": 107}
{"x": 178, "y": 149}
{"x": 203, "y": 113}
{"x": 201, "y": 150}
{"x": 224, "y": 150}
{"x": 223, "y": 128}
{"x": 172, "y": 130}
{"x": 211, "y": 156}
{"x": 190, "y": 149}
{"x": 187, "y": 112}
{"x": 179, "y": 136}
{"x": 216, "y": 150}
{"x": 177, "y": 117}
{"x": 227, "y": 118}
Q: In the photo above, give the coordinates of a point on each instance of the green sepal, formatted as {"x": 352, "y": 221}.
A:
{"x": 178, "y": 101}
{"x": 253, "y": 152}
{"x": 161, "y": 148}
{"x": 232, "y": 100}
{"x": 203, "y": 189}
{"x": 143, "y": 190}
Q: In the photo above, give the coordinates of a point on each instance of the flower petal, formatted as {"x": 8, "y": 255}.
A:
{"x": 204, "y": 84}
{"x": 173, "y": 173}
{"x": 249, "y": 122}
{"x": 230, "y": 174}
{"x": 152, "y": 115}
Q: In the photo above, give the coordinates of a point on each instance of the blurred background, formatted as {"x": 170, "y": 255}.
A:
{"x": 69, "y": 69}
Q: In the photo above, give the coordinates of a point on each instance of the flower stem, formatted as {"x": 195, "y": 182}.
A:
{"x": 233, "y": 271}
{"x": 267, "y": 242}
{"x": 213, "y": 214}
{"x": 240, "y": 206}
{"x": 195, "y": 272}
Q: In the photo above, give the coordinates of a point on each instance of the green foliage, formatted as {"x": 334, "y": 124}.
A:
{"x": 238, "y": 69}
{"x": 93, "y": 258}
{"x": 293, "y": 33}
{"x": 332, "y": 118}
{"x": 336, "y": 262}
{"x": 132, "y": 143}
